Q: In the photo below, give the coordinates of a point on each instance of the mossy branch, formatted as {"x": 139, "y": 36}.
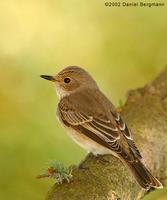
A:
{"x": 146, "y": 114}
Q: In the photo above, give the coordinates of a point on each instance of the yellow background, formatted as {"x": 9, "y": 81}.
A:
{"x": 123, "y": 48}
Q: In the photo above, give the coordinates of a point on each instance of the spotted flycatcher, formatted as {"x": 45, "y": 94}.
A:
{"x": 94, "y": 123}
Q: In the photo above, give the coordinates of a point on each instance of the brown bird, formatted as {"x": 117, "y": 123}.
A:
{"x": 94, "y": 123}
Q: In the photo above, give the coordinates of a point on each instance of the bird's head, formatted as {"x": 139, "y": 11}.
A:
{"x": 71, "y": 79}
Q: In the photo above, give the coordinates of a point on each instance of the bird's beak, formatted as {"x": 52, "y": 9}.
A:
{"x": 47, "y": 77}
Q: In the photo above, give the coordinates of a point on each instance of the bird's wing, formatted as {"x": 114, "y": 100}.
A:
{"x": 126, "y": 132}
{"x": 101, "y": 129}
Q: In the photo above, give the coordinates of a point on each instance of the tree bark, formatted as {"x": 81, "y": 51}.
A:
{"x": 145, "y": 112}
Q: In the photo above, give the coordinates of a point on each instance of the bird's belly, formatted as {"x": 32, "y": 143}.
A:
{"x": 87, "y": 143}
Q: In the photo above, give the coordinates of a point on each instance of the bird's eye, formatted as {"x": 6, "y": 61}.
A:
{"x": 67, "y": 80}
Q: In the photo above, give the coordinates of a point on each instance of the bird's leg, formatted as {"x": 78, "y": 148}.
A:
{"x": 88, "y": 156}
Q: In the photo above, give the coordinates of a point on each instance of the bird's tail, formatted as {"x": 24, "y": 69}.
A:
{"x": 143, "y": 176}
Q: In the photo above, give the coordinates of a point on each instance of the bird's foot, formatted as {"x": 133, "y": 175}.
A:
{"x": 102, "y": 158}
{"x": 91, "y": 156}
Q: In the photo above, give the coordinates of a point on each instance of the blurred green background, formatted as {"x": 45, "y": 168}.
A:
{"x": 123, "y": 48}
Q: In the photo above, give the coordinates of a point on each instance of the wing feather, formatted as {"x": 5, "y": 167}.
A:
{"x": 109, "y": 131}
{"x": 127, "y": 134}
{"x": 100, "y": 129}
